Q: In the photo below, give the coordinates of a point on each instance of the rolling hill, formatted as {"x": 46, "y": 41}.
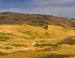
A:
{"x": 47, "y": 35}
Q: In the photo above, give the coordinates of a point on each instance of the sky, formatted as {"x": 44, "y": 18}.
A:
{"x": 63, "y": 8}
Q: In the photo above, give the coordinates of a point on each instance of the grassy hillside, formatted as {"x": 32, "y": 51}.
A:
{"x": 33, "y": 34}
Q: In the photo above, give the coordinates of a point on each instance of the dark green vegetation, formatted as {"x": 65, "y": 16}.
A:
{"x": 69, "y": 41}
{"x": 35, "y": 19}
{"x": 5, "y": 36}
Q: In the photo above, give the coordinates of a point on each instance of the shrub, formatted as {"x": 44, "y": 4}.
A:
{"x": 4, "y": 36}
{"x": 69, "y": 40}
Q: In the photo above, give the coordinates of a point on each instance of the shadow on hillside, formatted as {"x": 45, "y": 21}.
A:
{"x": 32, "y": 54}
{"x": 58, "y": 56}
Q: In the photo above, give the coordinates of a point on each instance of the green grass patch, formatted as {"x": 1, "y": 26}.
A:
{"x": 29, "y": 35}
{"x": 5, "y": 36}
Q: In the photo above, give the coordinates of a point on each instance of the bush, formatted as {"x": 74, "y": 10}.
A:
{"x": 4, "y": 36}
{"x": 69, "y": 40}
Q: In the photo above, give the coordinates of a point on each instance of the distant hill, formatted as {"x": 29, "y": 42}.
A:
{"x": 35, "y": 19}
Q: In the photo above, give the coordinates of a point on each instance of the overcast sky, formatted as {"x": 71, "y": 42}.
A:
{"x": 64, "y": 8}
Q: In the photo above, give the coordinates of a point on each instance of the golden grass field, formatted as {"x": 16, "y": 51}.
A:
{"x": 36, "y": 36}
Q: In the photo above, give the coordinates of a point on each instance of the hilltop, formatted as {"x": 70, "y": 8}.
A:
{"x": 35, "y": 19}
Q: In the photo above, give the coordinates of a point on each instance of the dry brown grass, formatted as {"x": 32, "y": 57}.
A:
{"x": 47, "y": 32}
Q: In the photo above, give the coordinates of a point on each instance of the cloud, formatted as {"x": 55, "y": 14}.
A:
{"x": 53, "y": 7}
{"x": 56, "y": 11}
{"x": 54, "y": 3}
{"x": 64, "y": 8}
